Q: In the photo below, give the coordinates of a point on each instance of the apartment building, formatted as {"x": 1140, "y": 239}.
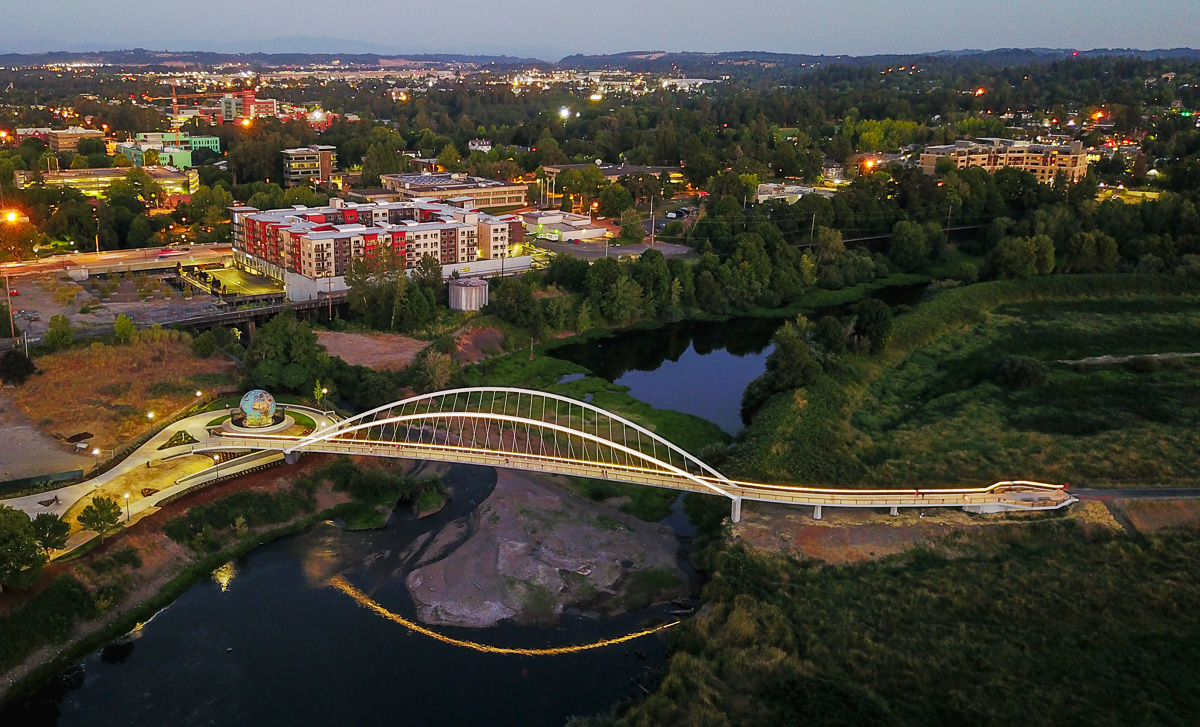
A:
{"x": 1044, "y": 161}
{"x": 180, "y": 140}
{"x": 315, "y": 164}
{"x": 309, "y": 249}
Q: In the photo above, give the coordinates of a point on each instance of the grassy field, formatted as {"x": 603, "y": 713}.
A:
{"x": 928, "y": 410}
{"x": 941, "y": 417}
{"x": 1043, "y": 624}
{"x": 109, "y": 389}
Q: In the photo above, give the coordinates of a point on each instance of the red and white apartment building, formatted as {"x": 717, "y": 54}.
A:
{"x": 309, "y": 249}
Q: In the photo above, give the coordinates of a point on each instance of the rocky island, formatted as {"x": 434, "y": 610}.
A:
{"x": 533, "y": 549}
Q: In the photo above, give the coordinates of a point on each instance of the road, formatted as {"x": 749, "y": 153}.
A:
{"x": 196, "y": 254}
{"x": 594, "y": 250}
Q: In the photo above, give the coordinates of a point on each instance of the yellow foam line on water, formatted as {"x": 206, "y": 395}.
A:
{"x": 367, "y": 602}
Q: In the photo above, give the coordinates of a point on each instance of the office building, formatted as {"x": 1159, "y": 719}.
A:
{"x": 64, "y": 140}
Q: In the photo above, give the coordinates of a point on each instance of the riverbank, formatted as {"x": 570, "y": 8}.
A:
{"x": 167, "y": 570}
{"x": 532, "y": 550}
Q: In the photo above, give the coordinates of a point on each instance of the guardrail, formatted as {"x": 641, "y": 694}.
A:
{"x": 1012, "y": 495}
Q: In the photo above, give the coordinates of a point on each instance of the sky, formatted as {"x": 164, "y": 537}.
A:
{"x": 550, "y": 29}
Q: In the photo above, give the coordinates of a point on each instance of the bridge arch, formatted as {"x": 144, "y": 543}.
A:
{"x": 526, "y": 425}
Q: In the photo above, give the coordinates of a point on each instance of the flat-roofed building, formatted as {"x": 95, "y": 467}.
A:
{"x": 176, "y": 183}
{"x": 613, "y": 172}
{"x": 455, "y": 188}
{"x": 309, "y": 249}
{"x": 315, "y": 164}
{"x": 179, "y": 140}
{"x": 64, "y": 140}
{"x": 1044, "y": 161}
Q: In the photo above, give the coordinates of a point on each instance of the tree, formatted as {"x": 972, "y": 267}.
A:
{"x": 791, "y": 363}
{"x": 17, "y": 240}
{"x": 381, "y": 158}
{"x": 631, "y": 227}
{"x": 873, "y": 326}
{"x": 101, "y": 516}
{"x": 1023, "y": 257}
{"x": 21, "y": 557}
{"x": 204, "y": 345}
{"x": 623, "y": 300}
{"x": 141, "y": 232}
{"x": 59, "y": 334}
{"x": 50, "y": 531}
{"x": 827, "y": 244}
{"x": 286, "y": 340}
{"x": 15, "y": 367}
{"x": 377, "y": 285}
{"x": 434, "y": 372}
{"x": 908, "y": 246}
{"x": 124, "y": 329}
{"x": 613, "y": 200}
{"x": 450, "y": 159}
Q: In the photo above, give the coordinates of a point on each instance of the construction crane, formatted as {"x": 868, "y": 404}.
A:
{"x": 175, "y": 96}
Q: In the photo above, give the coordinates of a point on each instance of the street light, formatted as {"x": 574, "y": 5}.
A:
{"x": 126, "y": 508}
{"x": 217, "y": 464}
{"x": 199, "y": 394}
{"x": 149, "y": 415}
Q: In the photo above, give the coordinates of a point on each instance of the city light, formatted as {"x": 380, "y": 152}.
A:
{"x": 564, "y": 112}
{"x": 199, "y": 394}
{"x": 11, "y": 216}
{"x": 149, "y": 415}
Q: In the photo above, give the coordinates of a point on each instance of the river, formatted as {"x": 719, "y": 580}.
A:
{"x": 267, "y": 642}
{"x": 698, "y": 367}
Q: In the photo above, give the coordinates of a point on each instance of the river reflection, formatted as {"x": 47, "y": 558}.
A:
{"x": 276, "y": 646}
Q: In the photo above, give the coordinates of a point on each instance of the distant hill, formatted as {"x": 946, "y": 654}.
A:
{"x": 731, "y": 62}
{"x": 143, "y": 57}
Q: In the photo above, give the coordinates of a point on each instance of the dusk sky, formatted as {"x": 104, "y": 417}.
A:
{"x": 550, "y": 29}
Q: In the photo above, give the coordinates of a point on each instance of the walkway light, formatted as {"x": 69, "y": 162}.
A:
{"x": 199, "y": 394}
{"x": 149, "y": 415}
{"x": 96, "y": 452}
{"x": 127, "y": 517}
{"x": 564, "y": 112}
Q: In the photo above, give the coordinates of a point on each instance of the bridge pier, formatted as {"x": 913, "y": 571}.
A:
{"x": 816, "y": 512}
{"x": 895, "y": 509}
{"x": 736, "y": 515}
{"x": 291, "y": 457}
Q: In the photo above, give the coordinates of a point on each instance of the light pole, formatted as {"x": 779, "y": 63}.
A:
{"x": 126, "y": 508}
{"x": 10, "y": 218}
{"x": 217, "y": 464}
{"x": 324, "y": 391}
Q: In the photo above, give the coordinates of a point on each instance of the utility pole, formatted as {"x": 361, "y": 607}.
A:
{"x": 812, "y": 233}
{"x": 651, "y": 220}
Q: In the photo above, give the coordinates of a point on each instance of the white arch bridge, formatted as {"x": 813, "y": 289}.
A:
{"x": 543, "y": 432}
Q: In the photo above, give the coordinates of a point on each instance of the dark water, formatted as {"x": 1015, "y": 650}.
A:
{"x": 303, "y": 653}
{"x": 697, "y": 367}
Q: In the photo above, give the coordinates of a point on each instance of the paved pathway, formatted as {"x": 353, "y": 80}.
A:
{"x": 148, "y": 456}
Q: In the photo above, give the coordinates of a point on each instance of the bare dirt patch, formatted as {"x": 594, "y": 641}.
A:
{"x": 851, "y": 535}
{"x": 1151, "y": 515}
{"x": 28, "y": 452}
{"x": 379, "y": 351}
{"x": 108, "y": 390}
{"x": 479, "y": 343}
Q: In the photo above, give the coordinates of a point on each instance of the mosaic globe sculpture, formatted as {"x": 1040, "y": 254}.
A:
{"x": 259, "y": 408}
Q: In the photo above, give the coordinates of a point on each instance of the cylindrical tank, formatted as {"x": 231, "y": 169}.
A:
{"x": 468, "y": 294}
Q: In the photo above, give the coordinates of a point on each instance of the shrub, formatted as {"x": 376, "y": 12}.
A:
{"x": 1019, "y": 372}
{"x": 15, "y": 367}
{"x": 48, "y": 617}
{"x": 59, "y": 334}
{"x": 204, "y": 345}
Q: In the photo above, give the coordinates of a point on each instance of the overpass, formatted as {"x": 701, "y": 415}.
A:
{"x": 543, "y": 432}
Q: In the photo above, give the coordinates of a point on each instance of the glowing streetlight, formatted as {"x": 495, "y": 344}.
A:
{"x": 149, "y": 415}
{"x": 127, "y": 507}
{"x": 96, "y": 452}
{"x": 199, "y": 394}
{"x": 217, "y": 464}
{"x": 564, "y": 112}
{"x": 10, "y": 216}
